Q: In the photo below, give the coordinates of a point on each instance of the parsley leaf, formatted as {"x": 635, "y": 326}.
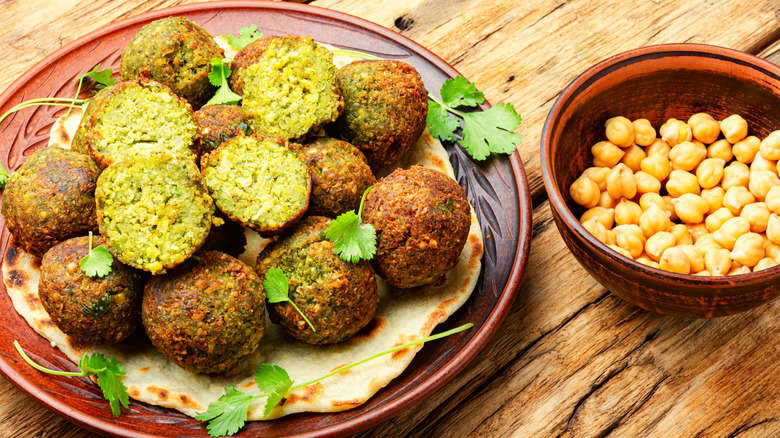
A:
{"x": 245, "y": 36}
{"x": 98, "y": 260}
{"x": 229, "y": 414}
{"x": 102, "y": 78}
{"x": 273, "y": 380}
{"x": 277, "y": 289}
{"x": 218, "y": 77}
{"x": 4, "y": 175}
{"x": 484, "y": 132}
{"x": 107, "y": 370}
{"x": 352, "y": 239}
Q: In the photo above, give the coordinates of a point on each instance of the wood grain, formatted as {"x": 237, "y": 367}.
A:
{"x": 571, "y": 359}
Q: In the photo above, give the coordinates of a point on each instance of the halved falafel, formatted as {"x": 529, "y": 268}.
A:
{"x": 50, "y": 198}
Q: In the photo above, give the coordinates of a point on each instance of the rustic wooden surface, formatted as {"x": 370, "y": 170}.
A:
{"x": 571, "y": 359}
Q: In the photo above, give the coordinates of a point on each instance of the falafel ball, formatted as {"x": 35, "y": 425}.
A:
{"x": 217, "y": 123}
{"x": 91, "y": 310}
{"x": 260, "y": 182}
{"x": 288, "y": 86}
{"x": 137, "y": 116}
{"x": 50, "y": 198}
{"x": 385, "y": 109}
{"x": 176, "y": 52}
{"x": 338, "y": 297}
{"x": 339, "y": 176}
{"x": 154, "y": 210}
{"x": 206, "y": 317}
{"x": 422, "y": 219}
{"x": 79, "y": 142}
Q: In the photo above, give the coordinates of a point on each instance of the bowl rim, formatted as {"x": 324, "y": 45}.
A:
{"x": 556, "y": 199}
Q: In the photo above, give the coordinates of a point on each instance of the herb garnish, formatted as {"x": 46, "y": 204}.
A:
{"x": 352, "y": 239}
{"x": 484, "y": 132}
{"x": 228, "y": 415}
{"x": 246, "y": 35}
{"x": 277, "y": 289}
{"x": 4, "y": 175}
{"x": 98, "y": 260}
{"x": 107, "y": 370}
{"x": 218, "y": 77}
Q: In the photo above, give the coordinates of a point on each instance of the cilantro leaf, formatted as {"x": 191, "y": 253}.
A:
{"x": 273, "y": 380}
{"x": 458, "y": 91}
{"x": 352, "y": 239}
{"x": 108, "y": 371}
{"x": 484, "y": 132}
{"x": 4, "y": 175}
{"x": 102, "y": 78}
{"x": 229, "y": 414}
{"x": 218, "y": 77}
{"x": 277, "y": 289}
{"x": 491, "y": 131}
{"x": 98, "y": 260}
{"x": 245, "y": 36}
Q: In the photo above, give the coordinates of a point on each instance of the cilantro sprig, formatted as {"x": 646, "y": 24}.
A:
{"x": 484, "y": 132}
{"x": 352, "y": 239}
{"x": 277, "y": 289}
{"x": 246, "y": 35}
{"x": 218, "y": 76}
{"x": 107, "y": 370}
{"x": 230, "y": 413}
{"x": 97, "y": 262}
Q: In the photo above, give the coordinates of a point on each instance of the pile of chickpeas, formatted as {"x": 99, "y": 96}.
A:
{"x": 700, "y": 198}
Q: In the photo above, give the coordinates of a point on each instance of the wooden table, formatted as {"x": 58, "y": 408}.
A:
{"x": 571, "y": 359}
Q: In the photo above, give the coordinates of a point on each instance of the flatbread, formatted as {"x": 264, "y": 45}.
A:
{"x": 402, "y": 316}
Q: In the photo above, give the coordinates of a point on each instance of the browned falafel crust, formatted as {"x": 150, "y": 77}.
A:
{"x": 217, "y": 123}
{"x": 422, "y": 219}
{"x": 207, "y": 315}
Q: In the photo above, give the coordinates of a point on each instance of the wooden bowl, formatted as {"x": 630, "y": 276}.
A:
{"x": 657, "y": 83}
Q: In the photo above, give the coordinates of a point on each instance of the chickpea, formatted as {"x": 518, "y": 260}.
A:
{"x": 714, "y": 198}
{"x": 762, "y": 163}
{"x": 695, "y": 257}
{"x": 598, "y": 175}
{"x": 656, "y": 165}
{"x": 720, "y": 149}
{"x": 761, "y": 182}
{"x": 734, "y": 128}
{"x": 611, "y": 239}
{"x": 646, "y": 183}
{"x": 772, "y": 250}
{"x": 707, "y": 243}
{"x": 745, "y": 150}
{"x": 704, "y": 127}
{"x": 690, "y": 208}
{"x": 680, "y": 182}
{"x": 773, "y": 199}
{"x": 620, "y": 131}
{"x": 773, "y": 229}
{"x": 709, "y": 172}
{"x": 717, "y": 219}
{"x": 757, "y": 214}
{"x": 730, "y": 231}
{"x": 606, "y": 154}
{"x": 656, "y": 244}
{"x": 687, "y": 155}
{"x": 658, "y": 147}
{"x": 765, "y": 263}
{"x": 633, "y": 157}
{"x": 737, "y": 197}
{"x": 704, "y": 273}
{"x": 681, "y": 234}
{"x": 770, "y": 146}
{"x": 675, "y": 132}
{"x": 735, "y": 174}
{"x": 675, "y": 260}
{"x": 739, "y": 270}
{"x": 748, "y": 249}
{"x": 585, "y": 192}
{"x": 627, "y": 212}
{"x": 604, "y": 215}
{"x": 670, "y": 207}
{"x": 653, "y": 220}
{"x": 644, "y": 133}
{"x": 630, "y": 238}
{"x": 607, "y": 201}
{"x": 620, "y": 251}
{"x": 596, "y": 228}
{"x": 648, "y": 262}
{"x": 621, "y": 182}
{"x": 717, "y": 261}
{"x": 648, "y": 199}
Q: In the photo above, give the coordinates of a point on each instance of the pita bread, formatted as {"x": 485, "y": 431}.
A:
{"x": 402, "y": 316}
